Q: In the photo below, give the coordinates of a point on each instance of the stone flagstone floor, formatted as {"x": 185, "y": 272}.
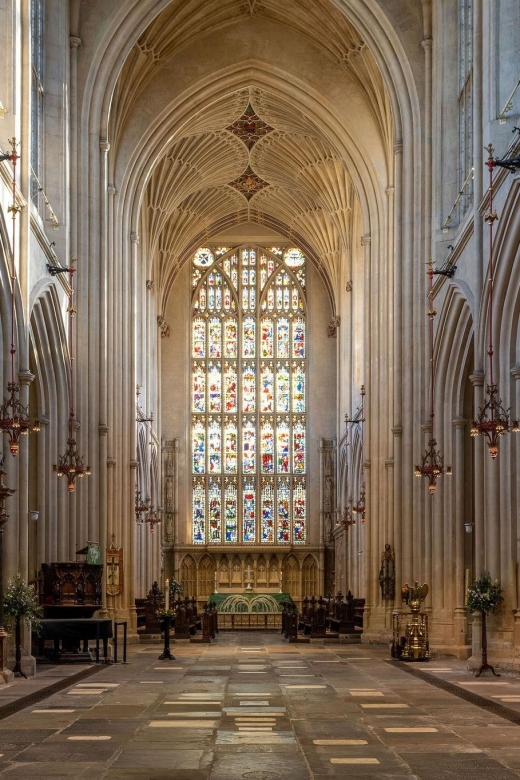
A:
{"x": 250, "y": 706}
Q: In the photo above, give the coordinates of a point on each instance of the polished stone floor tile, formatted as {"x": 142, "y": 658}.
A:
{"x": 252, "y": 707}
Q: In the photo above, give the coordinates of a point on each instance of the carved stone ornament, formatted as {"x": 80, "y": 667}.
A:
{"x": 115, "y": 582}
{"x": 249, "y": 183}
{"x": 163, "y": 325}
{"x": 332, "y": 327}
{"x": 387, "y": 574}
{"x": 249, "y": 127}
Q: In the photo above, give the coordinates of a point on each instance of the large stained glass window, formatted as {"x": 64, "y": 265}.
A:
{"x": 248, "y": 396}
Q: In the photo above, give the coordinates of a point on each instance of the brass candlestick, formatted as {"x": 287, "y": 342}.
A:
{"x": 414, "y": 645}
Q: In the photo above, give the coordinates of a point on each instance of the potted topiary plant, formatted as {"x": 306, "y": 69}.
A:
{"x": 21, "y": 604}
{"x": 485, "y": 596}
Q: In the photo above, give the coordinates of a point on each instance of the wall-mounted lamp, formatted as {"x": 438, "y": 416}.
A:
{"x": 468, "y": 528}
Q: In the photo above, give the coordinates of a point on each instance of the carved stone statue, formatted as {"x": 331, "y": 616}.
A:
{"x": 387, "y": 574}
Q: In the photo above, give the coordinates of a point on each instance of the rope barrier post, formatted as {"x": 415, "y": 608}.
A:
{"x": 115, "y": 641}
{"x": 123, "y": 623}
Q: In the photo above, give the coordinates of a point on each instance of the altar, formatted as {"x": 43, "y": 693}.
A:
{"x": 249, "y": 609}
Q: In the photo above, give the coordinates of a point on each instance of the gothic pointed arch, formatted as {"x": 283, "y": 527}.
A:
{"x": 188, "y": 575}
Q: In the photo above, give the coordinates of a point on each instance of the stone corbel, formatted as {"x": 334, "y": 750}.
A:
{"x": 163, "y": 325}
{"x": 332, "y": 327}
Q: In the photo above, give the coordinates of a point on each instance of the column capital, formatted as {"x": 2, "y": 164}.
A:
{"x": 398, "y": 146}
{"x": 427, "y": 44}
{"x": 477, "y": 378}
{"x": 366, "y": 239}
{"x": 134, "y": 237}
{"x": 25, "y": 377}
{"x": 515, "y": 371}
{"x": 111, "y": 189}
{"x": 103, "y": 429}
{"x": 74, "y": 42}
{"x": 134, "y": 464}
{"x": 104, "y": 145}
{"x": 397, "y": 430}
{"x": 460, "y": 422}
{"x": 111, "y": 462}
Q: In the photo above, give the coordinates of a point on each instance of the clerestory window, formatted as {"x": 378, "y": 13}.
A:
{"x": 465, "y": 104}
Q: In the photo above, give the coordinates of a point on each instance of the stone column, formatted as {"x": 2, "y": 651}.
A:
{"x": 24, "y": 378}
{"x": 103, "y": 530}
{"x": 74, "y": 43}
{"x": 41, "y": 490}
{"x": 371, "y": 558}
{"x": 515, "y": 490}
{"x": 111, "y": 601}
{"x": 104, "y": 148}
{"x": 460, "y": 614}
{"x": 477, "y": 380}
{"x": 168, "y": 504}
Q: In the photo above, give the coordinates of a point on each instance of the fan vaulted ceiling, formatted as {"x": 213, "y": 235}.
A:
{"x": 251, "y": 156}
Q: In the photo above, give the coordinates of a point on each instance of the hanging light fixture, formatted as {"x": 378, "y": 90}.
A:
{"x": 71, "y": 463}
{"x": 347, "y": 521}
{"x": 432, "y": 466}
{"x": 152, "y": 518}
{"x": 15, "y": 420}
{"x": 492, "y": 420}
{"x": 141, "y": 506}
{"x": 359, "y": 508}
{"x": 144, "y": 508}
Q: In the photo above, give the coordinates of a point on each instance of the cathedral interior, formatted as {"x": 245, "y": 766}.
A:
{"x": 260, "y": 311}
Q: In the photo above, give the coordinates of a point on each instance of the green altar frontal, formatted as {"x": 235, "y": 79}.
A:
{"x": 250, "y": 610}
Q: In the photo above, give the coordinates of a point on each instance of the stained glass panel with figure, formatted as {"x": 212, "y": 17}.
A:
{"x": 283, "y": 511}
{"x": 214, "y": 512}
{"x": 231, "y": 509}
{"x": 249, "y": 507}
{"x": 267, "y": 512}
{"x": 199, "y": 513}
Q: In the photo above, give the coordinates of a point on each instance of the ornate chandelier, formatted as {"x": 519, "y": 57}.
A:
{"x": 152, "y": 518}
{"x": 347, "y": 521}
{"x": 359, "y": 508}
{"x": 141, "y": 506}
{"x": 144, "y": 507}
{"x": 432, "y": 466}
{"x": 492, "y": 420}
{"x": 15, "y": 420}
{"x": 71, "y": 463}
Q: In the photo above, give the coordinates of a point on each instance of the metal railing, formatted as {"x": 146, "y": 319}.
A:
{"x": 448, "y": 220}
{"x": 53, "y": 219}
{"x": 508, "y": 105}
